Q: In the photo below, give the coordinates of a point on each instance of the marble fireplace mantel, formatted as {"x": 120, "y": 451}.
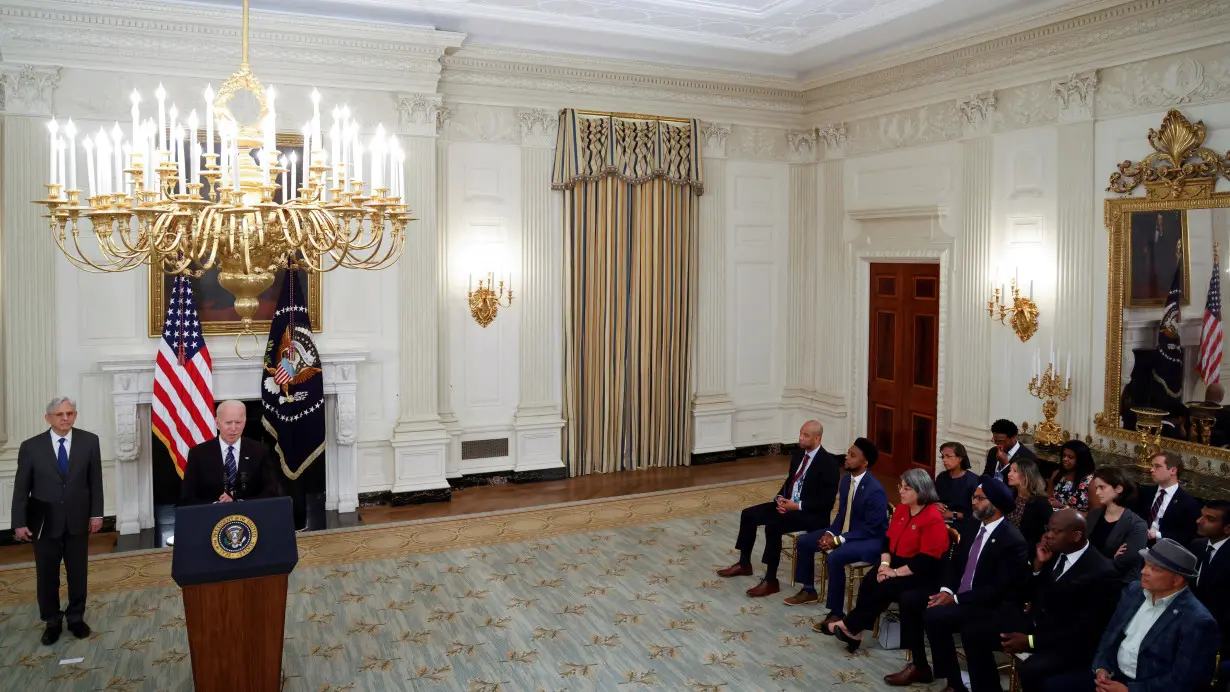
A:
{"x": 132, "y": 394}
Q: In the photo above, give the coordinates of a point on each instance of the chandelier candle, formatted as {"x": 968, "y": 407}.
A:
{"x": 70, "y": 131}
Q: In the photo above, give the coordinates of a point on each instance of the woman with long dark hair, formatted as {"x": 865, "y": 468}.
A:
{"x": 1033, "y": 507}
{"x": 1070, "y": 483}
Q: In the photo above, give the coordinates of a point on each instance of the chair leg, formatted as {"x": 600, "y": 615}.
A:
{"x": 850, "y": 585}
{"x": 794, "y": 561}
{"x": 875, "y": 629}
{"x": 822, "y": 588}
{"x": 1014, "y": 683}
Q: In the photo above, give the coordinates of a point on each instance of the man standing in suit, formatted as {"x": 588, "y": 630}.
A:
{"x": 984, "y": 585}
{"x": 1007, "y": 449}
{"x": 856, "y": 535}
{"x": 803, "y": 504}
{"x": 1169, "y": 509}
{"x": 1073, "y": 593}
{"x": 1211, "y": 584}
{"x": 58, "y": 503}
{"x": 229, "y": 467}
{"x": 1160, "y": 637}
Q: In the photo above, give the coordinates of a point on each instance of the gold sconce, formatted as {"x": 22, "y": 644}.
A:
{"x": 1052, "y": 388}
{"x": 1022, "y": 315}
{"x": 485, "y": 299}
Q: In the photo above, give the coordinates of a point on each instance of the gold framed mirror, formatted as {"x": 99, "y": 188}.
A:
{"x": 1164, "y": 254}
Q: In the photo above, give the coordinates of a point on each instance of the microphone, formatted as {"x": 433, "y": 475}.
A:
{"x": 244, "y": 483}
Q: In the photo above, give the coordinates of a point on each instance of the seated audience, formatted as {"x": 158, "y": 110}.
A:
{"x": 1168, "y": 509}
{"x": 1073, "y": 593}
{"x": 984, "y": 584}
{"x": 955, "y": 486}
{"x": 1160, "y": 639}
{"x": 909, "y": 569}
{"x": 804, "y": 503}
{"x": 1070, "y": 483}
{"x": 1006, "y": 450}
{"x": 1212, "y": 586}
{"x": 1032, "y": 508}
{"x": 1115, "y": 531}
{"x": 856, "y": 534}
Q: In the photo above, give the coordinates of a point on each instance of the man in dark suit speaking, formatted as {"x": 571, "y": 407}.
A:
{"x": 58, "y": 503}
{"x": 229, "y": 467}
{"x": 804, "y": 503}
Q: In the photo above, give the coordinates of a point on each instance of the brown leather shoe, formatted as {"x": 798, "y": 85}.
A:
{"x": 764, "y": 588}
{"x": 735, "y": 570}
{"x": 819, "y": 626}
{"x": 803, "y": 597}
{"x": 909, "y": 675}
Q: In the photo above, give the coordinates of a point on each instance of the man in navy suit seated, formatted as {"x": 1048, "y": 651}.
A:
{"x": 1211, "y": 586}
{"x": 1161, "y": 639}
{"x": 856, "y": 535}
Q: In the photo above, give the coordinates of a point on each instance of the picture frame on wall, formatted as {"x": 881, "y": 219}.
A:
{"x": 1157, "y": 243}
{"x": 215, "y": 305}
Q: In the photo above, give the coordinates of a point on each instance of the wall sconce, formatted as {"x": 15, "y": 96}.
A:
{"x": 485, "y": 300}
{"x": 1022, "y": 315}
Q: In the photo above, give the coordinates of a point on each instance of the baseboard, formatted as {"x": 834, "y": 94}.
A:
{"x": 557, "y": 473}
{"x": 744, "y": 453}
{"x": 420, "y": 497}
{"x": 6, "y": 535}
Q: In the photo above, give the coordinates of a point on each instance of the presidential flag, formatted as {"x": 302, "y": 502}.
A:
{"x": 183, "y": 406}
{"x": 1210, "y": 332}
{"x": 1168, "y": 371}
{"x": 292, "y": 387}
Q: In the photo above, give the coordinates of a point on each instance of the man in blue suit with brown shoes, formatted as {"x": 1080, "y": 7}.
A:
{"x": 856, "y": 535}
{"x": 1160, "y": 639}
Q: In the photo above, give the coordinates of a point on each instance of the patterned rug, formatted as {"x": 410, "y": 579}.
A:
{"x": 606, "y": 595}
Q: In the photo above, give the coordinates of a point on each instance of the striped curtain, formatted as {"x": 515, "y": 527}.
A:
{"x": 631, "y": 190}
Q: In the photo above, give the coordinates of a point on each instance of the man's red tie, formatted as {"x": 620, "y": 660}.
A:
{"x": 802, "y": 468}
{"x": 1157, "y": 506}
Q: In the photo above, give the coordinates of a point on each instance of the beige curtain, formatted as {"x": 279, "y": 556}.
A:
{"x": 631, "y": 190}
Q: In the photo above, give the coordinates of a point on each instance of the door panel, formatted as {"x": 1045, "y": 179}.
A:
{"x": 904, "y": 367}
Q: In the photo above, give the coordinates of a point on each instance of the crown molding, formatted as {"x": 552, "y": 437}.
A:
{"x": 167, "y": 38}
{"x": 1117, "y": 35}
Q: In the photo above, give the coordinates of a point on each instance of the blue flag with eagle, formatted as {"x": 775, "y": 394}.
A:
{"x": 292, "y": 386}
{"x": 1168, "y": 370}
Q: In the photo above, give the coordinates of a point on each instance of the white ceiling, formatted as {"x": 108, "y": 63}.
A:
{"x": 781, "y": 37}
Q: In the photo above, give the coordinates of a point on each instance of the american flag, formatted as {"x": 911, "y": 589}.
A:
{"x": 183, "y": 412}
{"x": 1210, "y": 333}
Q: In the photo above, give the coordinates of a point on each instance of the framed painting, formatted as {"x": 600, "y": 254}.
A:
{"x": 1156, "y": 247}
{"x": 215, "y": 305}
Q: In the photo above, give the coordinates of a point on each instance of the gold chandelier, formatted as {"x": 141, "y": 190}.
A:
{"x": 255, "y": 212}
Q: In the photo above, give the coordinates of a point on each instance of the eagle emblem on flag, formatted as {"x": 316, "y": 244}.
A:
{"x": 294, "y": 362}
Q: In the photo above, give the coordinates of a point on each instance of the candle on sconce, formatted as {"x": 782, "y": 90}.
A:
{"x": 1031, "y": 289}
{"x": 193, "y": 123}
{"x": 117, "y": 151}
{"x": 209, "y": 119}
{"x": 294, "y": 174}
{"x": 89, "y": 167}
{"x": 173, "y": 115}
{"x": 161, "y": 95}
{"x": 136, "y": 115}
{"x": 316, "y": 118}
{"x": 1068, "y": 371}
{"x": 70, "y": 132}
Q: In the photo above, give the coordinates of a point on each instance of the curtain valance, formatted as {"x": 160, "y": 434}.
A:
{"x": 635, "y": 151}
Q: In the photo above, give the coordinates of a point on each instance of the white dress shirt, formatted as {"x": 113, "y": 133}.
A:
{"x": 796, "y": 492}
{"x": 989, "y": 529}
{"x": 1216, "y": 546}
{"x": 1138, "y": 628}
{"x": 224, "y": 447}
{"x": 68, "y": 448}
{"x": 1071, "y": 558}
{"x": 1167, "y": 496}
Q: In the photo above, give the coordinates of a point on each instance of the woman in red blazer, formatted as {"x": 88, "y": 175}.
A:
{"x": 909, "y": 571}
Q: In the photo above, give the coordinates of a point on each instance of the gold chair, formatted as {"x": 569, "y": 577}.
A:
{"x": 792, "y": 550}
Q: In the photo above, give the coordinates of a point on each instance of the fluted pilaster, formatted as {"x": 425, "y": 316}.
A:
{"x": 970, "y": 381}
{"x": 1075, "y": 232}
{"x": 538, "y": 422}
{"x": 801, "y": 280}
{"x": 28, "y": 293}
{"x": 832, "y": 375}
{"x": 444, "y": 369}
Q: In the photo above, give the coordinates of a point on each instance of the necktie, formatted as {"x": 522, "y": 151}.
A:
{"x": 1157, "y": 506}
{"x": 1059, "y": 565}
{"x": 62, "y": 458}
{"x": 1208, "y": 557}
{"x": 231, "y": 469}
{"x": 967, "y": 578}
{"x": 795, "y": 491}
{"x": 845, "y": 524}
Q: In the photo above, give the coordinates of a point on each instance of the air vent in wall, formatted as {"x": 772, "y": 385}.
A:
{"x": 484, "y": 449}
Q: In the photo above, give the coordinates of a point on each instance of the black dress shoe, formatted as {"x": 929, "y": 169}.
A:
{"x": 851, "y": 643}
{"x": 80, "y": 630}
{"x": 51, "y": 634}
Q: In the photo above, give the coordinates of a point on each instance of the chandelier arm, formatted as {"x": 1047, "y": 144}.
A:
{"x": 82, "y": 262}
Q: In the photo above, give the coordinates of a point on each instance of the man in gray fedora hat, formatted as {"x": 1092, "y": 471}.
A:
{"x": 1160, "y": 637}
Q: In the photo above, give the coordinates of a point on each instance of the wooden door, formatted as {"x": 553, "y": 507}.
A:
{"x": 903, "y": 368}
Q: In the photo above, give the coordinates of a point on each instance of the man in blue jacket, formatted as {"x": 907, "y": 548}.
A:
{"x": 856, "y": 535}
{"x": 1160, "y": 639}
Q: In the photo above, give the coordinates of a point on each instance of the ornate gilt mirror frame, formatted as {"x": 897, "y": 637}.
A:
{"x": 1180, "y": 174}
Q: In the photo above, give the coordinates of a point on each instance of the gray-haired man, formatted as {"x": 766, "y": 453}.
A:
{"x": 58, "y": 503}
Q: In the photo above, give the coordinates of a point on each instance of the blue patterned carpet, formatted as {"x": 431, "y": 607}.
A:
{"x": 637, "y": 607}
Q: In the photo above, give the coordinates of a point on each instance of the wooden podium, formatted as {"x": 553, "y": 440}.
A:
{"x": 232, "y": 561}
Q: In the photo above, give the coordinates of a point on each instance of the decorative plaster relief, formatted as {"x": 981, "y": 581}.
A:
{"x": 977, "y": 114}
{"x": 539, "y": 128}
{"x": 914, "y": 127}
{"x": 802, "y": 146}
{"x": 756, "y": 143}
{"x": 419, "y": 114}
{"x": 714, "y": 140}
{"x": 480, "y": 123}
{"x": 1032, "y": 105}
{"x": 834, "y": 138}
{"x": 1075, "y": 96}
{"x": 29, "y": 89}
{"x": 1174, "y": 80}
